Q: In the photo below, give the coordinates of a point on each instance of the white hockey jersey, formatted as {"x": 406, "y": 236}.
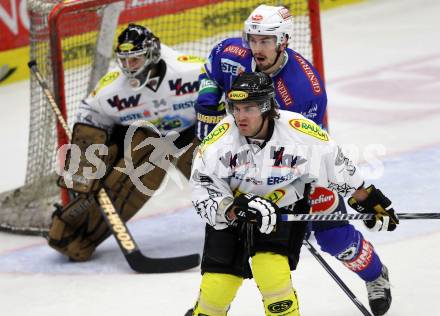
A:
{"x": 298, "y": 152}
{"x": 167, "y": 100}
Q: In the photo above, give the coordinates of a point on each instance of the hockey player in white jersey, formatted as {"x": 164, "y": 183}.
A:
{"x": 153, "y": 85}
{"x": 264, "y": 47}
{"x": 255, "y": 164}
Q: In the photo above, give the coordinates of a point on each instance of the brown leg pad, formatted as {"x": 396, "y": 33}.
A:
{"x": 80, "y": 228}
{"x": 184, "y": 162}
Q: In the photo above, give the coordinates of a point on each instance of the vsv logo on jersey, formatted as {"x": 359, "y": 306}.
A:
{"x": 124, "y": 103}
{"x": 232, "y": 67}
{"x": 184, "y": 88}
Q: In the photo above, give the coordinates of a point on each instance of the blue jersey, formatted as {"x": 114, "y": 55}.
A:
{"x": 298, "y": 86}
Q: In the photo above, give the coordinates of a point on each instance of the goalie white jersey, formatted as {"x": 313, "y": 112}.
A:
{"x": 167, "y": 100}
{"x": 296, "y": 152}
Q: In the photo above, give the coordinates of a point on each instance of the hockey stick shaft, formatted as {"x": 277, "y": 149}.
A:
{"x": 349, "y": 217}
{"x": 335, "y": 277}
{"x": 134, "y": 257}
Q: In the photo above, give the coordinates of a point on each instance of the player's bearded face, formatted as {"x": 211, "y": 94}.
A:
{"x": 247, "y": 117}
{"x": 264, "y": 50}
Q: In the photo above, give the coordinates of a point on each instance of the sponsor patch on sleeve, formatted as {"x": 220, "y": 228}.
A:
{"x": 310, "y": 128}
{"x": 214, "y": 136}
{"x": 236, "y": 50}
{"x": 191, "y": 59}
{"x": 208, "y": 86}
{"x": 105, "y": 81}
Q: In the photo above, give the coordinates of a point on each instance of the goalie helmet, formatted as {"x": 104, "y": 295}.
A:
{"x": 134, "y": 42}
{"x": 252, "y": 87}
{"x": 269, "y": 20}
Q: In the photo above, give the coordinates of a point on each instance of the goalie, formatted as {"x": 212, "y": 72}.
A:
{"x": 154, "y": 87}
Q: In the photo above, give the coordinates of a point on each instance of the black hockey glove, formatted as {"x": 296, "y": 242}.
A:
{"x": 378, "y": 204}
{"x": 256, "y": 210}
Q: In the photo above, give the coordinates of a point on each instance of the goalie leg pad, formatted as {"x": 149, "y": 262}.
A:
{"x": 66, "y": 233}
{"x": 184, "y": 162}
{"x": 272, "y": 274}
{"x": 348, "y": 245}
{"x": 217, "y": 291}
{"x": 79, "y": 242}
{"x": 85, "y": 137}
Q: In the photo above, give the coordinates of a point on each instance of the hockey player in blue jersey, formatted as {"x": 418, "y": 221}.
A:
{"x": 299, "y": 88}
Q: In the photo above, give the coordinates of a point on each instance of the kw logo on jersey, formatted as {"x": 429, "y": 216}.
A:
{"x": 232, "y": 67}
{"x": 284, "y": 160}
{"x": 183, "y": 88}
{"x": 242, "y": 158}
{"x": 309, "y": 128}
{"x": 215, "y": 135}
{"x": 121, "y": 104}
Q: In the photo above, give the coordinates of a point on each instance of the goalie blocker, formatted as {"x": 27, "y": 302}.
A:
{"x": 78, "y": 228}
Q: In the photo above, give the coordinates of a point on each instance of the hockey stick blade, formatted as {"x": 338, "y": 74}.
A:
{"x": 349, "y": 217}
{"x": 137, "y": 261}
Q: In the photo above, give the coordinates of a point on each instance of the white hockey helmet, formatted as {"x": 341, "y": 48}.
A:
{"x": 269, "y": 20}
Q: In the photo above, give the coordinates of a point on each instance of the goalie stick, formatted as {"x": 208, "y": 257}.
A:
{"x": 137, "y": 261}
{"x": 349, "y": 217}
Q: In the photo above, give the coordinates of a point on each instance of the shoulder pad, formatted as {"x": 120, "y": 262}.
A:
{"x": 105, "y": 81}
{"x": 309, "y": 127}
{"x": 191, "y": 59}
{"x": 218, "y": 132}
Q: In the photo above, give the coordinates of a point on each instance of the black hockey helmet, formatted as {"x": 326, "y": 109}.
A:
{"x": 137, "y": 41}
{"x": 253, "y": 87}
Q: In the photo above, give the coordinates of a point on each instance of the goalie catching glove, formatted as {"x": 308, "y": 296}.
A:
{"x": 378, "y": 204}
{"x": 256, "y": 210}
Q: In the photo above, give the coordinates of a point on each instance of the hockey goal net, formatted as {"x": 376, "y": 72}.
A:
{"x": 73, "y": 42}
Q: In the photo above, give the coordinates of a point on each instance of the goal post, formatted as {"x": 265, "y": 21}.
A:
{"x": 72, "y": 42}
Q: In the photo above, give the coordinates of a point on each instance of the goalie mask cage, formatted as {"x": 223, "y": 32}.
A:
{"x": 72, "y": 43}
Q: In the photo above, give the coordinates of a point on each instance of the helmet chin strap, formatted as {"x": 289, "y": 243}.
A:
{"x": 261, "y": 127}
{"x": 139, "y": 81}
